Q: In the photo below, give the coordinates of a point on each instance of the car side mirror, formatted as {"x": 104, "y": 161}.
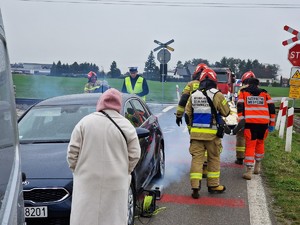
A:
{"x": 142, "y": 132}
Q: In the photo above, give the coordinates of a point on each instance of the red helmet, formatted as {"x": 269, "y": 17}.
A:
{"x": 91, "y": 73}
{"x": 248, "y": 75}
{"x": 199, "y": 68}
{"x": 208, "y": 74}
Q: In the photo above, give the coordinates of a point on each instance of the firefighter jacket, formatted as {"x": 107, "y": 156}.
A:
{"x": 255, "y": 106}
{"x": 90, "y": 87}
{"x": 187, "y": 91}
{"x": 200, "y": 117}
{"x": 137, "y": 85}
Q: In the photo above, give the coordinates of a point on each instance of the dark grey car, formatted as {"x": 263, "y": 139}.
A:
{"x": 45, "y": 130}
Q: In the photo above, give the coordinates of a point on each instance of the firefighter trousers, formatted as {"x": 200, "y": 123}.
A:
{"x": 197, "y": 150}
{"x": 240, "y": 144}
{"x": 255, "y": 146}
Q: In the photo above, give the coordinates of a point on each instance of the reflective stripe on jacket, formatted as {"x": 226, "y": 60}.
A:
{"x": 138, "y": 87}
{"x": 91, "y": 87}
{"x": 256, "y": 109}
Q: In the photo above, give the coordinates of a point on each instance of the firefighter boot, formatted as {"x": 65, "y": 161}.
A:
{"x": 257, "y": 167}
{"x": 195, "y": 193}
{"x": 217, "y": 190}
{"x": 239, "y": 161}
{"x": 248, "y": 173}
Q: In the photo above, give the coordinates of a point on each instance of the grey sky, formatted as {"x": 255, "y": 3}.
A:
{"x": 45, "y": 32}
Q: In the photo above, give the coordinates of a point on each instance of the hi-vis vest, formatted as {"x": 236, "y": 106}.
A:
{"x": 138, "y": 87}
{"x": 202, "y": 114}
{"x": 256, "y": 108}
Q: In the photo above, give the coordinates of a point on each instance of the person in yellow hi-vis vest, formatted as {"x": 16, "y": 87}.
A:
{"x": 135, "y": 84}
{"x": 204, "y": 110}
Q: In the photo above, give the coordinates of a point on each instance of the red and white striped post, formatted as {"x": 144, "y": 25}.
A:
{"x": 283, "y": 119}
{"x": 289, "y": 130}
{"x": 279, "y": 114}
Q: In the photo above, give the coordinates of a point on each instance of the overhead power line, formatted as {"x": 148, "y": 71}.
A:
{"x": 175, "y": 4}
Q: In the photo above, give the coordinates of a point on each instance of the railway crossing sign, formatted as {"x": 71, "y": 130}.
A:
{"x": 292, "y": 31}
{"x": 164, "y": 45}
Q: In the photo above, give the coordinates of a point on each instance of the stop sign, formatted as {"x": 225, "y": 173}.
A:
{"x": 294, "y": 55}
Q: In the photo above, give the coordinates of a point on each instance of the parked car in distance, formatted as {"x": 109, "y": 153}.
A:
{"x": 45, "y": 130}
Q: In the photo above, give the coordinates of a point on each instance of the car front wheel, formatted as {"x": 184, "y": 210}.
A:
{"x": 131, "y": 205}
{"x": 161, "y": 166}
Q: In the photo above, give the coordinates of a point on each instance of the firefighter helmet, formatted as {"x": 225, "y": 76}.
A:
{"x": 199, "y": 68}
{"x": 208, "y": 74}
{"x": 91, "y": 73}
{"x": 248, "y": 75}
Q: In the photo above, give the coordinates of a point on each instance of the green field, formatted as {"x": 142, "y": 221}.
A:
{"x": 41, "y": 87}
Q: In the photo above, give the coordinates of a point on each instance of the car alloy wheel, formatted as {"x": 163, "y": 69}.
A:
{"x": 131, "y": 205}
{"x": 161, "y": 166}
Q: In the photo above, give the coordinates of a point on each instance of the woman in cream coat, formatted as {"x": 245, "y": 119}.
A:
{"x": 102, "y": 161}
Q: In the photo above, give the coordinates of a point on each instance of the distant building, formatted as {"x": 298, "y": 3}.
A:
{"x": 31, "y": 68}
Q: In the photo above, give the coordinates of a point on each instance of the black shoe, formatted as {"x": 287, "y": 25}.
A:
{"x": 195, "y": 193}
{"x": 239, "y": 161}
{"x": 217, "y": 190}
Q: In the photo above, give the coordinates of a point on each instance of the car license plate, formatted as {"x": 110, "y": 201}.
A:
{"x": 36, "y": 212}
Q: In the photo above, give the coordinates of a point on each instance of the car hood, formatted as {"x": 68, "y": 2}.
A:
{"x": 45, "y": 161}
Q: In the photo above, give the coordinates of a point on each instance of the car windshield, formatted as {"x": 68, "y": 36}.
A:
{"x": 51, "y": 123}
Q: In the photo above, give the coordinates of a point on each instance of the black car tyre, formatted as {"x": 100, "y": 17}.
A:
{"x": 161, "y": 166}
{"x": 131, "y": 204}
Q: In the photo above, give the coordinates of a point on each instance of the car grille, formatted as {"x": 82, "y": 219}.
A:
{"x": 45, "y": 195}
{"x": 48, "y": 221}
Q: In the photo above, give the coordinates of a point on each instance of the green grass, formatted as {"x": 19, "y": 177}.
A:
{"x": 282, "y": 172}
{"x": 41, "y": 87}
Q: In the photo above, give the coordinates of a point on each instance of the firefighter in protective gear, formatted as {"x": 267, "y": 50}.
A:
{"x": 257, "y": 109}
{"x": 187, "y": 91}
{"x": 93, "y": 83}
{"x": 204, "y": 110}
{"x": 240, "y": 140}
{"x": 135, "y": 84}
{"x": 190, "y": 87}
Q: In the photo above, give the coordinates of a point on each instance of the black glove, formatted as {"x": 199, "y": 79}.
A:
{"x": 178, "y": 120}
{"x": 227, "y": 130}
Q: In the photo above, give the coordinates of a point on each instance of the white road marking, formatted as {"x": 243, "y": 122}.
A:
{"x": 168, "y": 108}
{"x": 259, "y": 213}
{"x": 158, "y": 115}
